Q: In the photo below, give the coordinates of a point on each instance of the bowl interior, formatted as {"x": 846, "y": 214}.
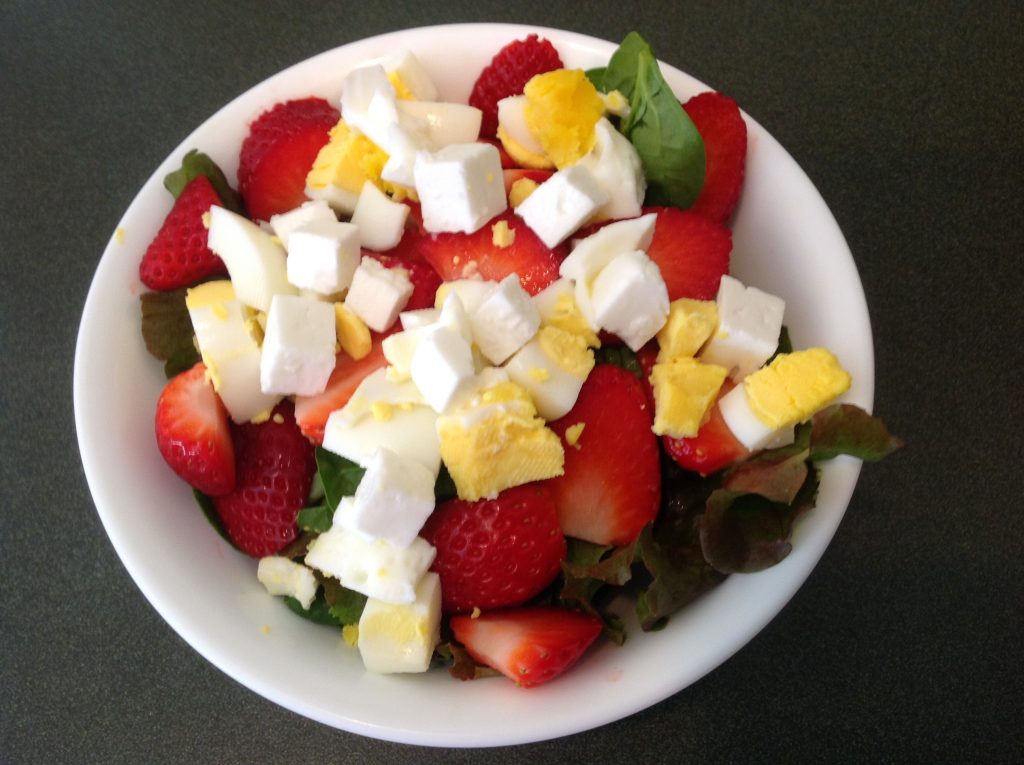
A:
{"x": 785, "y": 241}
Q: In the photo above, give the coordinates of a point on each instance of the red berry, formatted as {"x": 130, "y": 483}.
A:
{"x": 275, "y": 467}
{"x": 178, "y": 255}
{"x": 278, "y": 153}
{"x": 425, "y": 280}
{"x": 713, "y": 448}
{"x": 193, "y": 433}
{"x": 529, "y": 646}
{"x": 691, "y": 251}
{"x": 497, "y": 552}
{"x": 721, "y": 125}
{"x": 611, "y": 487}
{"x": 507, "y": 75}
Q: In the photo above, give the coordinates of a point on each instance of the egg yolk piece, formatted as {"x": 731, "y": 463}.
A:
{"x": 562, "y": 108}
{"x": 794, "y": 386}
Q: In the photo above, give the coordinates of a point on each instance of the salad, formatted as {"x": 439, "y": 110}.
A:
{"x": 457, "y": 374}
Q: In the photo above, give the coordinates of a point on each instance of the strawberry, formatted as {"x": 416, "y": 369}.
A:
{"x": 278, "y": 153}
{"x": 529, "y": 646}
{"x": 497, "y": 552}
{"x": 713, "y": 448}
{"x": 455, "y": 256}
{"x": 275, "y": 468}
{"x": 611, "y": 487}
{"x": 178, "y": 255}
{"x": 311, "y": 412}
{"x": 720, "y": 124}
{"x": 691, "y": 251}
{"x": 193, "y": 433}
{"x": 647, "y": 357}
{"x": 425, "y": 280}
{"x": 513, "y": 174}
{"x": 507, "y": 75}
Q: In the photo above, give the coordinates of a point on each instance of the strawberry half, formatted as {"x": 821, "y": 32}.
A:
{"x": 720, "y": 124}
{"x": 713, "y": 448}
{"x": 275, "y": 467}
{"x": 611, "y": 487}
{"x": 691, "y": 251}
{"x": 425, "y": 280}
{"x": 457, "y": 256}
{"x": 193, "y": 433}
{"x": 529, "y": 646}
{"x": 497, "y": 552}
{"x": 507, "y": 75}
{"x": 178, "y": 255}
{"x": 278, "y": 153}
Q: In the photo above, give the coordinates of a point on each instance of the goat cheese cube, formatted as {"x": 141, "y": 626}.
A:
{"x": 298, "y": 346}
{"x": 393, "y": 499}
{"x": 630, "y": 299}
{"x": 401, "y": 637}
{"x": 380, "y": 221}
{"x": 378, "y": 294}
{"x": 442, "y": 365}
{"x": 505, "y": 320}
{"x": 562, "y": 204}
{"x": 460, "y": 187}
{"x": 365, "y": 95}
{"x": 373, "y": 567}
{"x": 255, "y": 262}
{"x": 749, "y": 323}
{"x": 282, "y": 576}
{"x": 616, "y": 166}
{"x": 315, "y": 211}
{"x": 323, "y": 256}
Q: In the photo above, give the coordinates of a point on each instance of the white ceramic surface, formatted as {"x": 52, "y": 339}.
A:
{"x": 786, "y": 241}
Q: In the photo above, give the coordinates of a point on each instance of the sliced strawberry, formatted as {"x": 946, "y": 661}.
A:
{"x": 425, "y": 280}
{"x": 507, "y": 75}
{"x": 529, "y": 646}
{"x": 691, "y": 251}
{"x": 455, "y": 256}
{"x": 721, "y": 125}
{"x": 193, "y": 433}
{"x": 647, "y": 357}
{"x": 178, "y": 255}
{"x": 275, "y": 470}
{"x": 514, "y": 174}
{"x": 278, "y": 153}
{"x": 311, "y": 412}
{"x": 713, "y": 448}
{"x": 497, "y": 552}
{"x": 612, "y": 482}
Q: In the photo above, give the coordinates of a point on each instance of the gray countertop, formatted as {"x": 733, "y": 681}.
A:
{"x": 905, "y": 642}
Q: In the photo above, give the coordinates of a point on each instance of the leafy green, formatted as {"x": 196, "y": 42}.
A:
{"x": 167, "y": 330}
{"x": 206, "y": 505}
{"x": 585, "y": 572}
{"x": 344, "y": 605}
{"x": 670, "y": 147}
{"x": 194, "y": 164}
{"x": 847, "y": 429}
{"x": 620, "y": 356}
{"x": 315, "y": 518}
{"x": 318, "y": 611}
{"x": 444, "y": 487}
{"x": 339, "y": 476}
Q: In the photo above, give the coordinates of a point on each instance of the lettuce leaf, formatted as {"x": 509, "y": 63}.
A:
{"x": 167, "y": 330}
{"x": 194, "y": 164}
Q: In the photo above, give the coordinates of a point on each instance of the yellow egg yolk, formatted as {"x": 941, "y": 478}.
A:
{"x": 562, "y": 107}
{"x": 684, "y": 392}
{"x": 794, "y": 386}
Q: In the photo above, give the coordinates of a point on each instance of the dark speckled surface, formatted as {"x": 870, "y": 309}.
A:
{"x": 904, "y": 644}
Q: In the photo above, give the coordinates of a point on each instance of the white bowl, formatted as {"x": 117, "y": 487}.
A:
{"x": 786, "y": 241}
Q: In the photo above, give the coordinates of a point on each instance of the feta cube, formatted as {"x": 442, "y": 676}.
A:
{"x": 616, "y": 166}
{"x": 378, "y": 294}
{"x": 442, "y": 365}
{"x": 630, "y": 299}
{"x": 505, "y": 320}
{"x": 562, "y": 204}
{"x": 323, "y": 256}
{"x": 401, "y": 637}
{"x": 380, "y": 221}
{"x": 366, "y": 92}
{"x": 282, "y": 576}
{"x": 749, "y": 323}
{"x": 393, "y": 499}
{"x": 315, "y": 211}
{"x": 298, "y": 346}
{"x": 460, "y": 187}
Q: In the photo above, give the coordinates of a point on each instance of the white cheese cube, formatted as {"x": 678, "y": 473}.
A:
{"x": 358, "y": 91}
{"x": 312, "y": 212}
{"x": 453, "y": 314}
{"x": 749, "y": 323}
{"x": 282, "y": 576}
{"x": 255, "y": 262}
{"x": 413, "y": 75}
{"x": 373, "y": 567}
{"x": 401, "y": 637}
{"x": 298, "y": 346}
{"x": 470, "y": 291}
{"x": 460, "y": 187}
{"x": 323, "y": 256}
{"x": 505, "y": 320}
{"x": 562, "y": 204}
{"x": 445, "y": 123}
{"x": 393, "y": 500}
{"x": 442, "y": 365}
{"x": 380, "y": 221}
{"x": 744, "y": 424}
{"x": 405, "y": 140}
{"x": 410, "y": 431}
{"x": 630, "y": 298}
{"x": 596, "y": 251}
{"x": 616, "y": 166}
{"x": 378, "y": 294}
